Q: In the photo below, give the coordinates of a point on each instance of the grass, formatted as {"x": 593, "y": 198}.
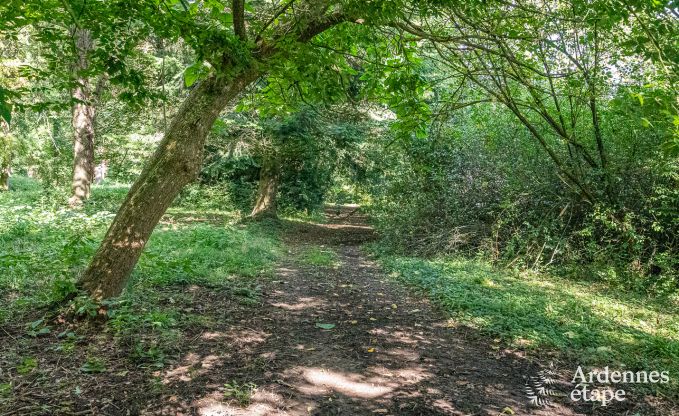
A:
{"x": 592, "y": 324}
{"x": 319, "y": 257}
{"x": 242, "y": 393}
{"x": 44, "y": 245}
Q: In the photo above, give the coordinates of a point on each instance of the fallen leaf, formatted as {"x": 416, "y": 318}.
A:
{"x": 325, "y": 326}
{"x": 371, "y": 349}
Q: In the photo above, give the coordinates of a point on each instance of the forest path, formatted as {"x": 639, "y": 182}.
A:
{"x": 385, "y": 351}
{"x": 328, "y": 334}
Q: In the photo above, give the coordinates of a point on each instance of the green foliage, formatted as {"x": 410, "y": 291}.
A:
{"x": 198, "y": 254}
{"x": 593, "y": 323}
{"x": 242, "y": 393}
{"x": 307, "y": 149}
{"x": 27, "y": 365}
{"x": 539, "y": 137}
{"x": 37, "y": 328}
{"x": 479, "y": 185}
{"x": 93, "y": 365}
{"x": 43, "y": 246}
{"x": 318, "y": 256}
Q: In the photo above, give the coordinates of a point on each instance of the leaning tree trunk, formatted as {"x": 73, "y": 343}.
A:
{"x": 83, "y": 123}
{"x": 265, "y": 206}
{"x": 175, "y": 163}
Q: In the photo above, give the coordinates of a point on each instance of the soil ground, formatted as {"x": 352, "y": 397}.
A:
{"x": 338, "y": 340}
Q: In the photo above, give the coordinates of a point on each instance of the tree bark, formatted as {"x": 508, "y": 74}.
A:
{"x": 5, "y": 155}
{"x": 83, "y": 123}
{"x": 175, "y": 163}
{"x": 265, "y": 206}
{"x": 4, "y": 178}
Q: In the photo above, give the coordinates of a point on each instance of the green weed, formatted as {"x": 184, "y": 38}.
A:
{"x": 322, "y": 257}
{"x": 27, "y": 365}
{"x": 93, "y": 365}
{"x": 242, "y": 393}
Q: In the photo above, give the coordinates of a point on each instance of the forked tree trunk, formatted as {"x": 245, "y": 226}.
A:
{"x": 83, "y": 123}
{"x": 175, "y": 163}
{"x": 265, "y": 206}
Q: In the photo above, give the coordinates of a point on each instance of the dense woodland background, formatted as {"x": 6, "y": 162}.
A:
{"x": 527, "y": 138}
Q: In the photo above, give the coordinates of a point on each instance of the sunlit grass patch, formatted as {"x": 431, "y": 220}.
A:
{"x": 319, "y": 256}
{"x": 206, "y": 254}
{"x": 44, "y": 245}
{"x": 592, "y": 324}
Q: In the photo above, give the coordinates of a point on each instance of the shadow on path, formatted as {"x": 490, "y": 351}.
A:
{"x": 389, "y": 352}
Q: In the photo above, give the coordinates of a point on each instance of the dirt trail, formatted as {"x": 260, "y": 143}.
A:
{"x": 389, "y": 353}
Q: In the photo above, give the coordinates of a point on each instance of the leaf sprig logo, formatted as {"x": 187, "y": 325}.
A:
{"x": 541, "y": 389}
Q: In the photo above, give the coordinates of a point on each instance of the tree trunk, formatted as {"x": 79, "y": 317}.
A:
{"x": 175, "y": 163}
{"x": 4, "y": 177}
{"x": 5, "y": 155}
{"x": 83, "y": 123}
{"x": 265, "y": 206}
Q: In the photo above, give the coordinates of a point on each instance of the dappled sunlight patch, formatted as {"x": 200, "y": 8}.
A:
{"x": 207, "y": 407}
{"x": 400, "y": 377}
{"x": 282, "y": 271}
{"x": 402, "y": 354}
{"x": 209, "y": 361}
{"x": 399, "y": 336}
{"x": 237, "y": 336}
{"x": 302, "y": 304}
{"x": 345, "y": 227}
{"x": 193, "y": 365}
{"x": 262, "y": 403}
{"x": 322, "y": 381}
{"x": 446, "y": 408}
{"x": 246, "y": 336}
{"x": 183, "y": 371}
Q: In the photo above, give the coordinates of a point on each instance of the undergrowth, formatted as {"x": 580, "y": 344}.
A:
{"x": 45, "y": 245}
{"x": 592, "y": 323}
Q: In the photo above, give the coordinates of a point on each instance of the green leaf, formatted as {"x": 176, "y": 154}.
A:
{"x": 27, "y": 365}
{"x": 325, "y": 326}
{"x": 93, "y": 366}
{"x": 5, "y": 105}
{"x": 195, "y": 72}
{"x": 6, "y": 112}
